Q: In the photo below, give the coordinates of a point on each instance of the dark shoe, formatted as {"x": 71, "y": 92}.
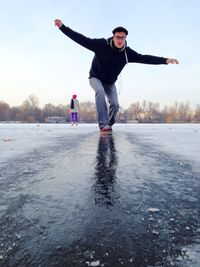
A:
{"x": 106, "y": 130}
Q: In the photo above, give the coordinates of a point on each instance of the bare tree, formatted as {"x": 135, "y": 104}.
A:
{"x": 30, "y": 104}
{"x": 16, "y": 114}
{"x": 4, "y": 111}
{"x": 30, "y": 109}
{"x": 135, "y": 111}
{"x": 49, "y": 110}
{"x": 88, "y": 111}
{"x": 61, "y": 110}
{"x": 197, "y": 114}
{"x": 173, "y": 113}
{"x": 184, "y": 112}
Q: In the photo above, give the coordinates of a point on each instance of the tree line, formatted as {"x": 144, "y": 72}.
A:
{"x": 144, "y": 112}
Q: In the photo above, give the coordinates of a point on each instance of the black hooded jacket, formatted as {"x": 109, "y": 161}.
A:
{"x": 109, "y": 62}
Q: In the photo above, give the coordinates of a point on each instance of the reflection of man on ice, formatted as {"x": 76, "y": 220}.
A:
{"x": 74, "y": 110}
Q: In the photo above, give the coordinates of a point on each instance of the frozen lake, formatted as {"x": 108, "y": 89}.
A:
{"x": 72, "y": 198}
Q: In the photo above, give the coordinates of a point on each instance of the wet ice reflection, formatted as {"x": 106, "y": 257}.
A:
{"x": 132, "y": 200}
{"x": 105, "y": 186}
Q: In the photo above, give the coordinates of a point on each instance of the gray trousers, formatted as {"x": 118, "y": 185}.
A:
{"x": 103, "y": 91}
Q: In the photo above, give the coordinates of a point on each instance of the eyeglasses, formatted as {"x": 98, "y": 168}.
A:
{"x": 120, "y": 37}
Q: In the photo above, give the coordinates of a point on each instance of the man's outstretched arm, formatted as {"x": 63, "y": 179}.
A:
{"x": 133, "y": 56}
{"x": 77, "y": 37}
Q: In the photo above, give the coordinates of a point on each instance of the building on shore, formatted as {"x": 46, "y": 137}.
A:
{"x": 55, "y": 119}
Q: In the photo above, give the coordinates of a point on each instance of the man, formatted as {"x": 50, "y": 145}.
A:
{"x": 110, "y": 57}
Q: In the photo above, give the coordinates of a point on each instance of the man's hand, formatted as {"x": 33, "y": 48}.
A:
{"x": 58, "y": 23}
{"x": 172, "y": 61}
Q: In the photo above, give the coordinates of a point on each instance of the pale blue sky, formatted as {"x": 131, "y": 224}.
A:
{"x": 36, "y": 58}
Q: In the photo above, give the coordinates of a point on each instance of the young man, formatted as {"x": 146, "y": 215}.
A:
{"x": 110, "y": 57}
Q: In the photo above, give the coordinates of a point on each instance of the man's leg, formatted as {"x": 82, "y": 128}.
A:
{"x": 111, "y": 93}
{"x": 101, "y": 107}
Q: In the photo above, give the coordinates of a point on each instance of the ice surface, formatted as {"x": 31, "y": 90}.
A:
{"x": 65, "y": 191}
{"x": 180, "y": 139}
{"x": 16, "y": 139}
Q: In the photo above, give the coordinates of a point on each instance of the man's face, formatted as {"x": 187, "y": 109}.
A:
{"x": 119, "y": 39}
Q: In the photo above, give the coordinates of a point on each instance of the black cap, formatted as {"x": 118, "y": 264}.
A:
{"x": 120, "y": 29}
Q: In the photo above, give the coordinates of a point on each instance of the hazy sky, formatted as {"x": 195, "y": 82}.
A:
{"x": 36, "y": 58}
